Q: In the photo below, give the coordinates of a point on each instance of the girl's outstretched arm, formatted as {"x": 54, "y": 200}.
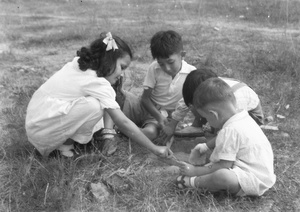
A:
{"x": 127, "y": 127}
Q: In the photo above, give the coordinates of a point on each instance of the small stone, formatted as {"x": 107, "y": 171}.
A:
{"x": 269, "y": 119}
{"x": 268, "y": 127}
{"x": 284, "y": 134}
{"x": 99, "y": 191}
{"x": 280, "y": 116}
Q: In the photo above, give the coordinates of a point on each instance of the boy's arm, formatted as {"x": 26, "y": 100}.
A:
{"x": 150, "y": 107}
{"x": 191, "y": 170}
{"x": 180, "y": 112}
{"x": 211, "y": 143}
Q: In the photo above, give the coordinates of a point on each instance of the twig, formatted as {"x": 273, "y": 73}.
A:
{"x": 293, "y": 165}
{"x": 46, "y": 193}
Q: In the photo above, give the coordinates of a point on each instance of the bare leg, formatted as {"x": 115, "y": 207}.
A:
{"x": 151, "y": 131}
{"x": 108, "y": 122}
{"x": 223, "y": 179}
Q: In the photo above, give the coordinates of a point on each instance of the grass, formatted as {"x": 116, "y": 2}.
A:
{"x": 258, "y": 45}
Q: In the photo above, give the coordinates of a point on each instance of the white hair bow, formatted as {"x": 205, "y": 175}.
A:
{"x": 110, "y": 42}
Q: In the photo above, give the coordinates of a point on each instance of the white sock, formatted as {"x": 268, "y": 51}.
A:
{"x": 192, "y": 181}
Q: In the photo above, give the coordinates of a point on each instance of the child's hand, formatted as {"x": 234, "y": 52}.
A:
{"x": 187, "y": 169}
{"x": 202, "y": 148}
{"x": 162, "y": 122}
{"x": 167, "y": 131}
{"x": 165, "y": 134}
{"x": 163, "y": 151}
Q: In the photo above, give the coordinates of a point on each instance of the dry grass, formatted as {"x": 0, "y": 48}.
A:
{"x": 39, "y": 37}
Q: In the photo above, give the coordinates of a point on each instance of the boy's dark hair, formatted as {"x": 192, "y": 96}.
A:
{"x": 193, "y": 80}
{"x": 213, "y": 90}
{"x": 165, "y": 43}
{"x": 96, "y": 57}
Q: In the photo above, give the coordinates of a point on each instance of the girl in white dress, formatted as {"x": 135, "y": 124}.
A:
{"x": 70, "y": 105}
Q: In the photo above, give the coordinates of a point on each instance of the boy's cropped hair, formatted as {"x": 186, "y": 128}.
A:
{"x": 213, "y": 90}
{"x": 165, "y": 43}
{"x": 193, "y": 79}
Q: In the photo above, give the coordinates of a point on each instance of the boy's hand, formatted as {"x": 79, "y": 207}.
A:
{"x": 169, "y": 129}
{"x": 162, "y": 122}
{"x": 164, "y": 136}
{"x": 187, "y": 169}
{"x": 202, "y": 148}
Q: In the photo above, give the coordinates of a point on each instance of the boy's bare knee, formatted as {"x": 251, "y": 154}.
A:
{"x": 226, "y": 179}
{"x": 150, "y": 131}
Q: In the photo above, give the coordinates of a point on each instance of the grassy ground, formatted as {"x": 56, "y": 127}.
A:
{"x": 254, "y": 41}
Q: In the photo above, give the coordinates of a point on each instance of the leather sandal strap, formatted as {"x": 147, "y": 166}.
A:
{"x": 105, "y": 131}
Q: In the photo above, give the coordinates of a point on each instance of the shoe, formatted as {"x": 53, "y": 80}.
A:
{"x": 110, "y": 146}
{"x": 120, "y": 97}
{"x": 66, "y": 150}
{"x": 189, "y": 131}
{"x": 106, "y": 141}
{"x": 184, "y": 182}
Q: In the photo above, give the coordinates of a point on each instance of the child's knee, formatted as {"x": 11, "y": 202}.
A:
{"x": 224, "y": 178}
{"x": 151, "y": 131}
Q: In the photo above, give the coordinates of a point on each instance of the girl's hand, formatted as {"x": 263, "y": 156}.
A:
{"x": 163, "y": 151}
{"x": 187, "y": 169}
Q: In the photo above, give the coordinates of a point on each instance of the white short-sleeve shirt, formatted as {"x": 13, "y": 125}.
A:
{"x": 166, "y": 91}
{"x": 242, "y": 141}
{"x": 246, "y": 99}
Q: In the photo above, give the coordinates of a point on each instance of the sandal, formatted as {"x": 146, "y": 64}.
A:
{"x": 183, "y": 182}
{"x": 106, "y": 140}
{"x": 66, "y": 150}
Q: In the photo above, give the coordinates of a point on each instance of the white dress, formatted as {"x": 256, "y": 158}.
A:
{"x": 70, "y": 104}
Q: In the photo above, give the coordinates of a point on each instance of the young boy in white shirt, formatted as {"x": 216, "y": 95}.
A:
{"x": 162, "y": 85}
{"x": 242, "y": 160}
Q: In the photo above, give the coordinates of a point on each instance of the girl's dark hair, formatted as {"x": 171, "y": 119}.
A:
{"x": 213, "y": 90}
{"x": 165, "y": 43}
{"x": 95, "y": 57}
{"x": 193, "y": 80}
